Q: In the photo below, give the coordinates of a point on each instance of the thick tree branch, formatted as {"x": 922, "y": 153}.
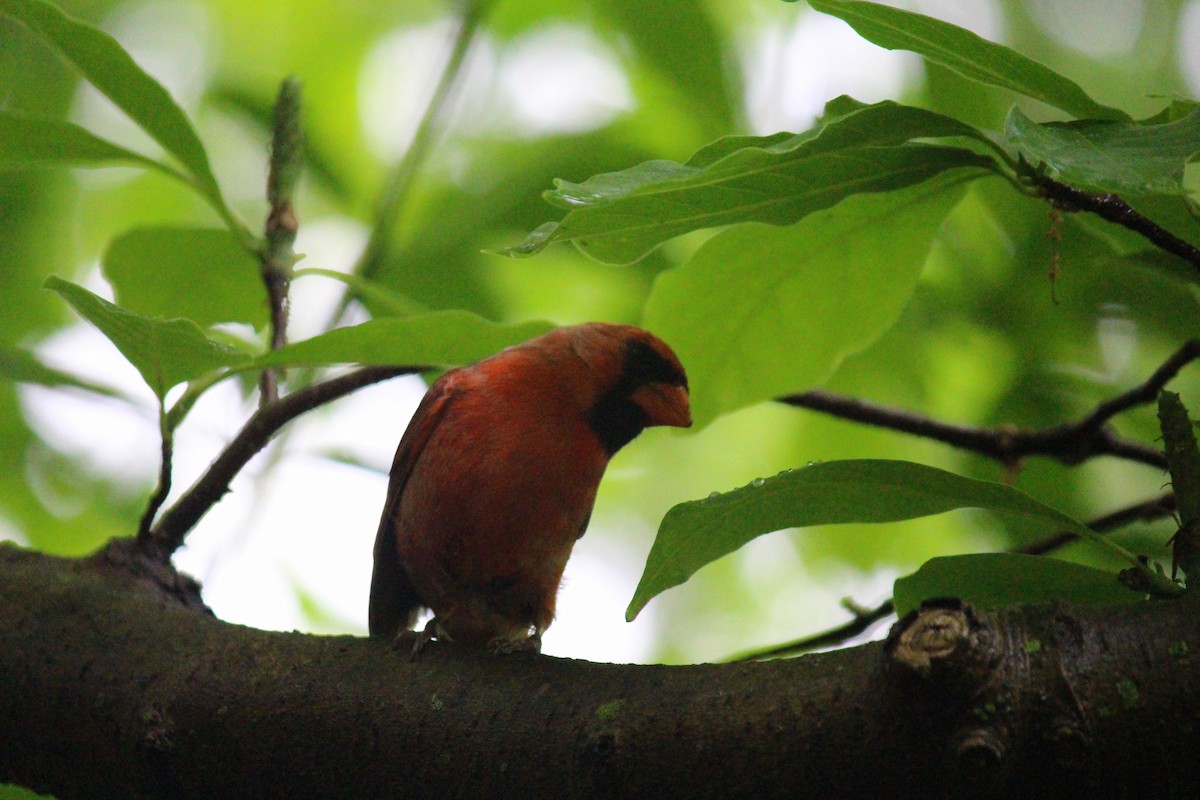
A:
{"x": 1070, "y": 443}
{"x": 1030, "y": 701}
{"x": 168, "y": 533}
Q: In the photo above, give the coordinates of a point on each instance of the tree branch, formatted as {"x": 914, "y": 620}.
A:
{"x": 168, "y": 533}
{"x": 1070, "y": 443}
{"x": 1112, "y": 208}
{"x": 278, "y": 257}
{"x": 958, "y": 703}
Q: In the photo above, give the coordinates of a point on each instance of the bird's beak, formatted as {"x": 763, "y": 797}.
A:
{"x": 665, "y": 404}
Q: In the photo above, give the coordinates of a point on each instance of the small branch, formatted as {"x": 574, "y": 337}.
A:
{"x": 168, "y": 534}
{"x": 1115, "y": 210}
{"x": 1147, "y": 392}
{"x": 862, "y": 620}
{"x": 164, "y": 479}
{"x": 1070, "y": 443}
{"x": 278, "y": 256}
{"x": 1147, "y": 510}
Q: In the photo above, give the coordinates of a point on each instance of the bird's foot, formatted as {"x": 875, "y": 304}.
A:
{"x": 414, "y": 642}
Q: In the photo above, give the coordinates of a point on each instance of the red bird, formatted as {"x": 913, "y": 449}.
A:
{"x": 495, "y": 479}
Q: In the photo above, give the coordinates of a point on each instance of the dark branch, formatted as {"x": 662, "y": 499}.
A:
{"x": 168, "y": 534}
{"x": 1070, "y": 443}
{"x": 861, "y": 622}
{"x": 277, "y": 257}
{"x": 164, "y": 482}
{"x": 1147, "y": 511}
{"x": 1115, "y": 210}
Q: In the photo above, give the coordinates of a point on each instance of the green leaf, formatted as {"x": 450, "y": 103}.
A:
{"x": 698, "y": 532}
{"x": 26, "y": 141}
{"x": 110, "y": 69}
{"x": 165, "y": 352}
{"x": 201, "y": 274}
{"x": 965, "y": 53}
{"x": 618, "y": 217}
{"x": 21, "y": 366}
{"x": 760, "y": 311}
{"x": 434, "y": 339}
{"x": 987, "y": 580}
{"x": 1110, "y": 156}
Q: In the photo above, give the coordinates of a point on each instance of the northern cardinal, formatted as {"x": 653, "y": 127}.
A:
{"x": 496, "y": 475}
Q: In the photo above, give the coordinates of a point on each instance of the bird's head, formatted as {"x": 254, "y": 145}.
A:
{"x": 636, "y": 381}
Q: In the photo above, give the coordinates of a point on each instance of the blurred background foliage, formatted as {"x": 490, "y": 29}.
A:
{"x": 568, "y": 88}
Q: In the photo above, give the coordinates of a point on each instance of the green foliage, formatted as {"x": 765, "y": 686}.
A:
{"x": 737, "y": 309}
{"x": 696, "y": 533}
{"x": 103, "y": 61}
{"x": 998, "y": 579}
{"x": 201, "y": 274}
{"x": 28, "y": 141}
{"x": 619, "y": 217}
{"x": 965, "y": 53}
{"x": 165, "y": 352}
{"x": 1105, "y": 156}
{"x": 436, "y": 339}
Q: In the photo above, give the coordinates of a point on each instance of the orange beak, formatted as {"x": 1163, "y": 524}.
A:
{"x": 665, "y": 404}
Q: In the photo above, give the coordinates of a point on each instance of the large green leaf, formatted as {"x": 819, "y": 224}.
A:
{"x": 110, "y": 69}
{"x": 165, "y": 352}
{"x": 1110, "y": 156}
{"x": 618, "y": 217}
{"x": 696, "y": 533}
{"x": 762, "y": 311}
{"x": 965, "y": 53}
{"x": 988, "y": 580}
{"x": 435, "y": 339}
{"x": 26, "y": 140}
{"x": 201, "y": 274}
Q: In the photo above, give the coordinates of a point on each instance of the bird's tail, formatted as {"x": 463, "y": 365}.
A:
{"x": 394, "y": 604}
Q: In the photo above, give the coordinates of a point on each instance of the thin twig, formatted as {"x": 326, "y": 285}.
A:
{"x": 862, "y": 620}
{"x": 168, "y": 534}
{"x": 1070, "y": 443}
{"x": 1146, "y": 511}
{"x": 1112, "y": 208}
{"x": 164, "y": 479}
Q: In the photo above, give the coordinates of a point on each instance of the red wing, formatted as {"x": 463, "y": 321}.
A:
{"x": 394, "y": 602}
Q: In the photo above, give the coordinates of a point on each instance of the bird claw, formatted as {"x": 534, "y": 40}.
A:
{"x": 415, "y": 642}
